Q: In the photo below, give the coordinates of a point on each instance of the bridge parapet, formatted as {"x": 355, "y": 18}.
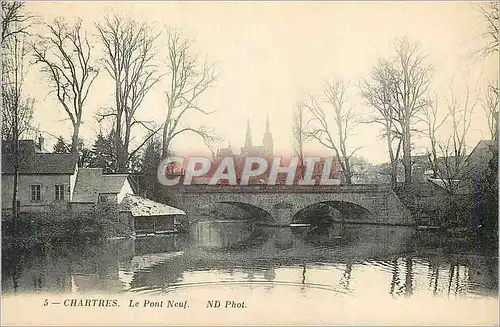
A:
{"x": 259, "y": 188}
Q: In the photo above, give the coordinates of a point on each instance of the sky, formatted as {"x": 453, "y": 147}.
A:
{"x": 270, "y": 55}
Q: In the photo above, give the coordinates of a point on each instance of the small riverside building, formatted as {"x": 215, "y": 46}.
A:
{"x": 150, "y": 217}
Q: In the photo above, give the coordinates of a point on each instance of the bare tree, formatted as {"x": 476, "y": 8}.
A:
{"x": 490, "y": 35}
{"x": 17, "y": 121}
{"x": 336, "y": 96}
{"x": 407, "y": 81}
{"x": 298, "y": 134}
{"x": 490, "y": 107}
{"x": 129, "y": 60}
{"x": 433, "y": 124}
{"x": 14, "y": 51}
{"x": 377, "y": 95}
{"x": 319, "y": 128}
{"x": 16, "y": 109}
{"x": 487, "y": 47}
{"x": 452, "y": 162}
{"x": 14, "y": 19}
{"x": 187, "y": 83}
{"x": 410, "y": 77}
{"x": 65, "y": 55}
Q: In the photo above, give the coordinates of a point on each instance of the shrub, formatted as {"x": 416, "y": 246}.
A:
{"x": 56, "y": 226}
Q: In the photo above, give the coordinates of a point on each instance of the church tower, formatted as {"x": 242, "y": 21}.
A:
{"x": 248, "y": 137}
{"x": 267, "y": 141}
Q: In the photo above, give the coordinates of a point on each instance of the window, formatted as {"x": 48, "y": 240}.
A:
{"x": 59, "y": 192}
{"x": 35, "y": 192}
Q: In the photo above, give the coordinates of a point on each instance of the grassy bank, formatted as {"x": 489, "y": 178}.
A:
{"x": 61, "y": 227}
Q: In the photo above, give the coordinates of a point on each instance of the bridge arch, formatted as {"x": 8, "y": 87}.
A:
{"x": 257, "y": 213}
{"x": 331, "y": 210}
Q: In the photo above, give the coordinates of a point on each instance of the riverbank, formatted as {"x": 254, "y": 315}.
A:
{"x": 458, "y": 241}
{"x": 60, "y": 227}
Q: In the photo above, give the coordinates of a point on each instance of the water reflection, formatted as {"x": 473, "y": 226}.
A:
{"x": 356, "y": 260}
{"x": 229, "y": 235}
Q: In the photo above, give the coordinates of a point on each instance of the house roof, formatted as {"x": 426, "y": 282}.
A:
{"x": 87, "y": 186}
{"x": 142, "y": 207}
{"x": 458, "y": 185}
{"x": 32, "y": 162}
{"x": 483, "y": 144}
{"x": 112, "y": 183}
{"x": 24, "y": 146}
{"x": 90, "y": 182}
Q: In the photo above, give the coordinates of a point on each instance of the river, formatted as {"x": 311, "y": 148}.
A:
{"x": 354, "y": 260}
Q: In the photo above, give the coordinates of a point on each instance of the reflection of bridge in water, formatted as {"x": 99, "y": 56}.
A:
{"x": 359, "y": 263}
{"x": 361, "y": 203}
{"x": 247, "y": 240}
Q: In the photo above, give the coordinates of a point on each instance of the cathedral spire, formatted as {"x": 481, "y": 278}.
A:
{"x": 248, "y": 137}
{"x": 267, "y": 141}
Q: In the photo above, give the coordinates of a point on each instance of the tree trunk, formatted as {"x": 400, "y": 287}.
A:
{"x": 407, "y": 153}
{"x": 433, "y": 156}
{"x": 345, "y": 158}
{"x": 75, "y": 138}
{"x": 15, "y": 207}
{"x": 301, "y": 169}
{"x": 394, "y": 174}
{"x": 121, "y": 165}
{"x": 15, "y": 191}
{"x": 126, "y": 143}
{"x": 393, "y": 160}
{"x": 165, "y": 144}
{"x": 121, "y": 157}
{"x": 348, "y": 174}
{"x": 343, "y": 166}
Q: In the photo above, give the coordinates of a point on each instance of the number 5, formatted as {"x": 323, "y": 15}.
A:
{"x": 46, "y": 302}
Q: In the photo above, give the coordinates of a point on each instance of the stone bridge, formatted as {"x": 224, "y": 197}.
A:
{"x": 358, "y": 203}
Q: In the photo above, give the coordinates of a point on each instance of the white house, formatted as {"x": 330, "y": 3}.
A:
{"x": 45, "y": 179}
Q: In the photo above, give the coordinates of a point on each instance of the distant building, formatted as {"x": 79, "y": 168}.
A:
{"x": 266, "y": 151}
{"x": 470, "y": 167}
{"x": 479, "y": 159}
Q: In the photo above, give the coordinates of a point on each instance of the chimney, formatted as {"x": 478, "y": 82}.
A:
{"x": 40, "y": 142}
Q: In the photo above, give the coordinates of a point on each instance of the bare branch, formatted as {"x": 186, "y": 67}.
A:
{"x": 490, "y": 107}
{"x": 398, "y": 93}
{"x": 14, "y": 20}
{"x": 129, "y": 60}
{"x": 319, "y": 129}
{"x": 450, "y": 162}
{"x": 187, "y": 83}
{"x": 298, "y": 130}
{"x": 64, "y": 56}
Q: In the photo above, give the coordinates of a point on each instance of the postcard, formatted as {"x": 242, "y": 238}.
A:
{"x": 249, "y": 163}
